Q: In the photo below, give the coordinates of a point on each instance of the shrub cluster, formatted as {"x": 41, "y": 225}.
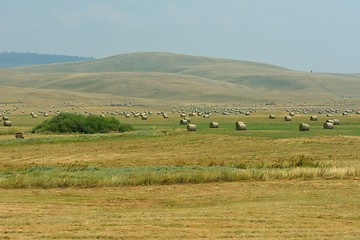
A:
{"x": 75, "y": 123}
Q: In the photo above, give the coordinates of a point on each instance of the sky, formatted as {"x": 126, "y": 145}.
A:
{"x": 304, "y": 35}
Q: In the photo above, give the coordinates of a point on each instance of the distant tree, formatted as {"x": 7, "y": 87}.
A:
{"x": 74, "y": 123}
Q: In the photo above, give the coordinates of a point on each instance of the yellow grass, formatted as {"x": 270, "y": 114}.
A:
{"x": 183, "y": 149}
{"x": 247, "y": 210}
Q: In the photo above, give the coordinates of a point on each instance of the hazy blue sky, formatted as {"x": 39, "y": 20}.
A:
{"x": 318, "y": 35}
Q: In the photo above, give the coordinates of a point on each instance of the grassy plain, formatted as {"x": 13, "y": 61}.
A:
{"x": 270, "y": 181}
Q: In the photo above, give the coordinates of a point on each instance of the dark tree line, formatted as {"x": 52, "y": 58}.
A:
{"x": 14, "y": 59}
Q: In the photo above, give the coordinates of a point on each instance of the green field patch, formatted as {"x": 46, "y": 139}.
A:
{"x": 88, "y": 176}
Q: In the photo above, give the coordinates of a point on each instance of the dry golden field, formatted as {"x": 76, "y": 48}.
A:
{"x": 281, "y": 209}
{"x": 160, "y": 181}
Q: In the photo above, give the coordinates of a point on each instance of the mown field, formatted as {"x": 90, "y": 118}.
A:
{"x": 160, "y": 181}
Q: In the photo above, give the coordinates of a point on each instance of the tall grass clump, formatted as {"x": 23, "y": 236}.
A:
{"x": 75, "y": 123}
{"x": 89, "y": 177}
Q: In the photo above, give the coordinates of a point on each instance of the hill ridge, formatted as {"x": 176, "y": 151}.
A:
{"x": 140, "y": 62}
{"x": 179, "y": 77}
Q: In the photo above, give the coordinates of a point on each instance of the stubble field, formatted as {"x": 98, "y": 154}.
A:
{"x": 160, "y": 181}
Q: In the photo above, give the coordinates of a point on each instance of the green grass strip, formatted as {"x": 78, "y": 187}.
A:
{"x": 89, "y": 177}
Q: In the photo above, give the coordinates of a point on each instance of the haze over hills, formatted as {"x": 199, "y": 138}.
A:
{"x": 189, "y": 79}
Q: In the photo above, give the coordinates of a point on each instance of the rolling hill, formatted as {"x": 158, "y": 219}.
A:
{"x": 158, "y": 76}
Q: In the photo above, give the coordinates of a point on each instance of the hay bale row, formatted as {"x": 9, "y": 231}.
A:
{"x": 333, "y": 121}
{"x": 192, "y": 127}
{"x": 33, "y": 115}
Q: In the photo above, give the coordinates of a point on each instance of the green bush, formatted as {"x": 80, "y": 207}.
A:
{"x": 75, "y": 123}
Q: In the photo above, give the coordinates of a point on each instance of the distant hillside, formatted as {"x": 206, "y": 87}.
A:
{"x": 13, "y": 59}
{"x": 173, "y": 77}
{"x": 153, "y": 62}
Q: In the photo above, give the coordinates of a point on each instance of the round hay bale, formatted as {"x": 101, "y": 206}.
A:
{"x": 214, "y": 125}
{"x": 182, "y": 115}
{"x": 5, "y": 118}
{"x": 313, "y": 118}
{"x": 272, "y": 116}
{"x": 330, "y": 121}
{"x": 7, "y": 123}
{"x": 144, "y": 117}
{"x": 206, "y": 116}
{"x": 165, "y": 115}
{"x": 247, "y": 114}
{"x": 304, "y": 127}
{"x": 287, "y": 118}
{"x": 127, "y": 115}
{"x": 328, "y": 125}
{"x": 191, "y": 127}
{"x": 291, "y": 114}
{"x": 240, "y": 126}
{"x": 183, "y": 122}
{"x": 336, "y": 121}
